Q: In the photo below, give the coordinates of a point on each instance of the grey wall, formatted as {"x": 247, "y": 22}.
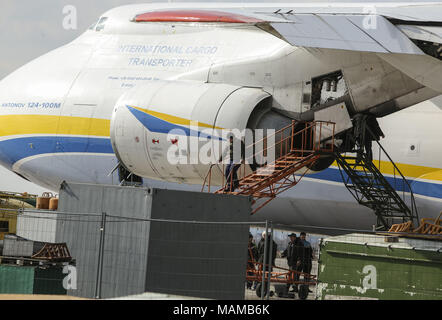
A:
{"x": 125, "y": 245}
{"x": 198, "y": 260}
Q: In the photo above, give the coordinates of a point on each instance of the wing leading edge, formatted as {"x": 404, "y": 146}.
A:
{"x": 345, "y": 32}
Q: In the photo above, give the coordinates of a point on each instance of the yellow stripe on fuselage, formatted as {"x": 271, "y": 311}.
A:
{"x": 408, "y": 170}
{"x": 12, "y": 125}
{"x": 16, "y": 125}
{"x": 175, "y": 120}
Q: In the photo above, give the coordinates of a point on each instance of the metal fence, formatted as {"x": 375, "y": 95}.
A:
{"x": 118, "y": 254}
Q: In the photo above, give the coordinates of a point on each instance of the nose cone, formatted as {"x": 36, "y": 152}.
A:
{"x": 30, "y": 98}
{"x": 31, "y": 103}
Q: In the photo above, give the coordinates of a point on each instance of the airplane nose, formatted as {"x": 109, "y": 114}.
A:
{"x": 26, "y": 96}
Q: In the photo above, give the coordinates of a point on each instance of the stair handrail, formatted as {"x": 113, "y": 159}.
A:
{"x": 208, "y": 175}
{"x": 314, "y": 146}
{"x": 310, "y": 126}
{"x": 413, "y": 203}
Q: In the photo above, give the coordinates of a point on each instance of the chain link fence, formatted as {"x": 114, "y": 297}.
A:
{"x": 116, "y": 255}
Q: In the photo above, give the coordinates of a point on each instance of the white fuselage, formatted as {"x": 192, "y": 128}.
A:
{"x": 55, "y": 112}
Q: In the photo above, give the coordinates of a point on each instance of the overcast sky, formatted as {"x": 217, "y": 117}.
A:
{"x": 32, "y": 28}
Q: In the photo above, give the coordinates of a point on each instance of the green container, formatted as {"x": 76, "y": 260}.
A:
{"x": 31, "y": 280}
{"x": 358, "y": 266}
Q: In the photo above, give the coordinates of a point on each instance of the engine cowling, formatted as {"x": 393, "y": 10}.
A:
{"x": 177, "y": 120}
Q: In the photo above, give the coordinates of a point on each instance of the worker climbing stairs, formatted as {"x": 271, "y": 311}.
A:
{"x": 295, "y": 149}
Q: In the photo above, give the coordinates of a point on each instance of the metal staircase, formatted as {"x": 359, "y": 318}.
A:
{"x": 294, "y": 151}
{"x": 371, "y": 188}
{"x": 297, "y": 150}
{"x": 273, "y": 179}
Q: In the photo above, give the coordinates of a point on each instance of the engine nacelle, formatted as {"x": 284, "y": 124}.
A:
{"x": 178, "y": 120}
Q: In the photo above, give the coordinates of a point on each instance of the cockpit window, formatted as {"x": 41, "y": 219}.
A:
{"x": 101, "y": 24}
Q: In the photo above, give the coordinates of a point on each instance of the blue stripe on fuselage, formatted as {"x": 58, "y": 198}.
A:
{"x": 16, "y": 149}
{"x": 420, "y": 187}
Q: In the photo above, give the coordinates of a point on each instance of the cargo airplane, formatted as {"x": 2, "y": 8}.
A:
{"x": 103, "y": 106}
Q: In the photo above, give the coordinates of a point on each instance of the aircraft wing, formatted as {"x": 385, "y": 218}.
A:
{"x": 358, "y": 27}
{"x": 370, "y": 29}
{"x": 409, "y": 37}
{"x": 345, "y": 32}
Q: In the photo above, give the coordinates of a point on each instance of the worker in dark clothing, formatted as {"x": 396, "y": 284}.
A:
{"x": 363, "y": 124}
{"x": 372, "y": 124}
{"x": 291, "y": 253}
{"x": 305, "y": 255}
{"x": 252, "y": 257}
{"x": 261, "y": 249}
{"x": 233, "y": 165}
{"x": 288, "y": 252}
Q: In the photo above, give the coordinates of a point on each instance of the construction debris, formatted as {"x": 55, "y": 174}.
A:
{"x": 428, "y": 228}
{"x": 54, "y": 252}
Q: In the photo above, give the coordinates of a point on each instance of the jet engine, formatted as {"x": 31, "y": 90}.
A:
{"x": 174, "y": 130}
